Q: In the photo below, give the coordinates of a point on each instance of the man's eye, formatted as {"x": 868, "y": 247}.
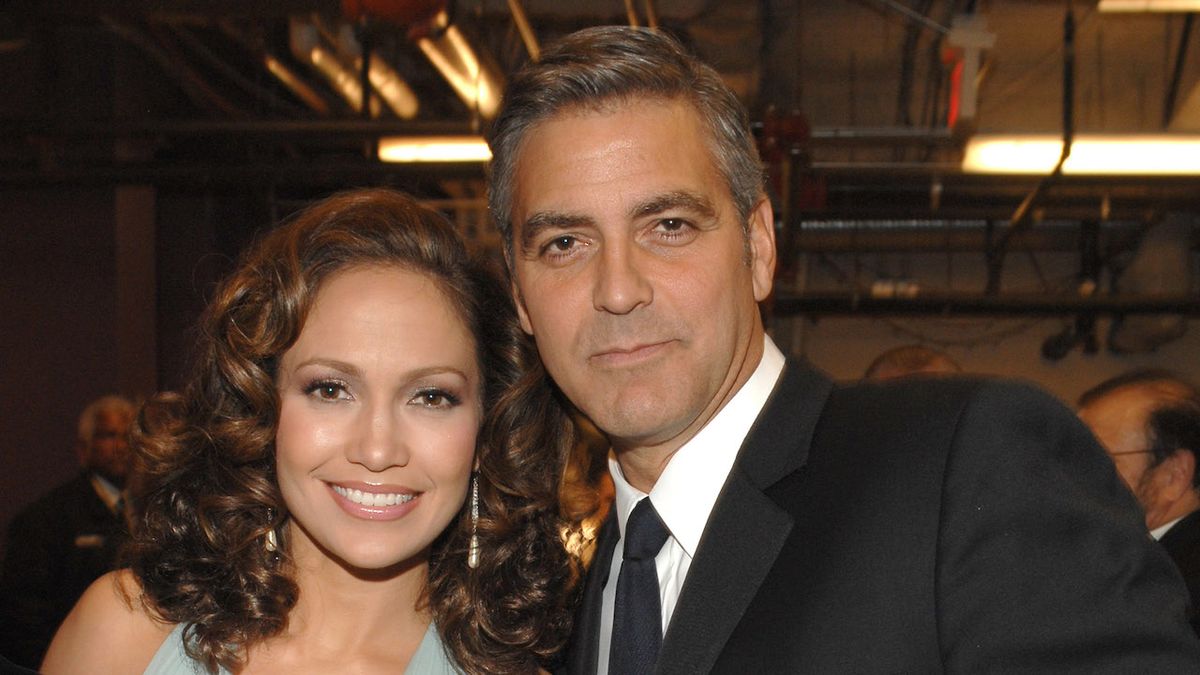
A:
{"x": 562, "y": 243}
{"x": 674, "y": 231}
{"x": 561, "y": 246}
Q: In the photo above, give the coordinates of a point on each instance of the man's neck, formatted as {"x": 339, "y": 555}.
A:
{"x": 643, "y": 463}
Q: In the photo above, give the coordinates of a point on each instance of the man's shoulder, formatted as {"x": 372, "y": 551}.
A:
{"x": 933, "y": 415}
{"x": 938, "y": 397}
{"x": 66, "y": 500}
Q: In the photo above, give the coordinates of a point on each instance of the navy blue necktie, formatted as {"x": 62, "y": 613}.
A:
{"x": 637, "y": 613}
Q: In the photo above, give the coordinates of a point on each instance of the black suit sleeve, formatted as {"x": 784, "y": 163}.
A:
{"x": 1043, "y": 561}
{"x": 28, "y": 614}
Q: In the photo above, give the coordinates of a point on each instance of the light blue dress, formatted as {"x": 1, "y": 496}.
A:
{"x": 171, "y": 658}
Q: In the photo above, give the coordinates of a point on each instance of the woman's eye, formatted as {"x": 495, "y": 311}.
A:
{"x": 435, "y": 398}
{"x": 327, "y": 391}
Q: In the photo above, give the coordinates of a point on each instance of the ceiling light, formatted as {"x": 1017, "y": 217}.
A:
{"x": 1149, "y": 6}
{"x": 434, "y": 149}
{"x": 1091, "y": 154}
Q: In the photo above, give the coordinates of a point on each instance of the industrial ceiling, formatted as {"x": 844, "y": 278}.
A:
{"x": 856, "y": 102}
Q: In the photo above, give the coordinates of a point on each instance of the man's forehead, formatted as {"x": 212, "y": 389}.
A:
{"x": 111, "y": 419}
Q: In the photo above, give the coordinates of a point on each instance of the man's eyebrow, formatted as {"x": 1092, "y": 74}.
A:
{"x": 688, "y": 201}
{"x": 541, "y": 221}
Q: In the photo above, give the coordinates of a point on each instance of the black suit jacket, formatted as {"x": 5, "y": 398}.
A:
{"x": 935, "y": 525}
{"x": 1183, "y": 545}
{"x": 55, "y": 549}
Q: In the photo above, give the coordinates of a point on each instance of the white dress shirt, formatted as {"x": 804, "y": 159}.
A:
{"x": 1161, "y": 530}
{"x": 686, "y": 491}
{"x": 108, "y": 493}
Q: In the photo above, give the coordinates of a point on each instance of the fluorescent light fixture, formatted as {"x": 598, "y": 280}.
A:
{"x": 1091, "y": 154}
{"x": 1149, "y": 6}
{"x": 434, "y": 149}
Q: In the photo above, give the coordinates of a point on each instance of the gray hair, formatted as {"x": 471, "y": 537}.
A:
{"x": 598, "y": 67}
{"x": 104, "y": 404}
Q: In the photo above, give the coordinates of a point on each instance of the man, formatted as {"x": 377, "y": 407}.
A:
{"x": 63, "y": 542}
{"x": 910, "y": 360}
{"x": 1149, "y": 422}
{"x": 939, "y": 525}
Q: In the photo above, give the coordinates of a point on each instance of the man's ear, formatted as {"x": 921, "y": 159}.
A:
{"x": 519, "y": 301}
{"x": 1178, "y": 470}
{"x": 762, "y": 248}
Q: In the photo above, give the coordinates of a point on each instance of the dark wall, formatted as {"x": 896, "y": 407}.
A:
{"x": 59, "y": 326}
{"x": 57, "y": 333}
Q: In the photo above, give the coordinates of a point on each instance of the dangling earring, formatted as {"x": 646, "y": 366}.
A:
{"x": 271, "y": 541}
{"x": 473, "y": 549}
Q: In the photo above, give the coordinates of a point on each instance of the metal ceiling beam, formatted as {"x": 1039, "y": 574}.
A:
{"x": 970, "y": 304}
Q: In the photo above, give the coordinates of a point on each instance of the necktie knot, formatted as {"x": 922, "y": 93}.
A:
{"x": 645, "y": 532}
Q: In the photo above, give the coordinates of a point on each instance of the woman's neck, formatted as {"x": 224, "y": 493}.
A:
{"x": 369, "y": 619}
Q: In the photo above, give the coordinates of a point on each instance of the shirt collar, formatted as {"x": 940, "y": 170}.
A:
{"x": 689, "y": 485}
{"x": 109, "y": 494}
{"x": 1159, "y": 531}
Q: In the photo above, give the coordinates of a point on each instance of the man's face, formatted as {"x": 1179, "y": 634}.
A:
{"x": 631, "y": 269}
{"x": 1119, "y": 422}
{"x": 108, "y": 453}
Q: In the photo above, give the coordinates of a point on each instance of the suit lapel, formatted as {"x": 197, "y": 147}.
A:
{"x": 1182, "y": 534}
{"x": 583, "y": 652}
{"x": 746, "y": 529}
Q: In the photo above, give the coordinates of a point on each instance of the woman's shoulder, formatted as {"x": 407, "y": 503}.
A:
{"x": 108, "y": 630}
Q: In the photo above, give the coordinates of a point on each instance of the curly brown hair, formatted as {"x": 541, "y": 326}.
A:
{"x": 208, "y": 490}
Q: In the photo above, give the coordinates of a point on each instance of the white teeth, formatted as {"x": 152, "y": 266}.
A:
{"x": 373, "y": 498}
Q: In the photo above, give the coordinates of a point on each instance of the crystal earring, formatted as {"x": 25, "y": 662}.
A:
{"x": 473, "y": 549}
{"x": 271, "y": 541}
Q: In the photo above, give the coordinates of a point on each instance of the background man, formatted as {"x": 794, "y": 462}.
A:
{"x": 940, "y": 525}
{"x": 910, "y": 360}
{"x": 63, "y": 542}
{"x": 1149, "y": 422}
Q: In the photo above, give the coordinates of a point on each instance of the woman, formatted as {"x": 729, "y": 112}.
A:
{"x": 310, "y": 502}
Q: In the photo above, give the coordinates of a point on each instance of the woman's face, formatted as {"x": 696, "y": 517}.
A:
{"x": 380, "y": 406}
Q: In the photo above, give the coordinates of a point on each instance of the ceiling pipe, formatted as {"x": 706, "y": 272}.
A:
{"x": 202, "y": 51}
{"x": 384, "y": 79}
{"x": 476, "y": 82}
{"x": 525, "y": 30}
{"x": 651, "y": 15}
{"x": 913, "y": 16}
{"x": 188, "y": 79}
{"x": 282, "y": 72}
{"x": 307, "y": 46}
{"x": 1177, "y": 71}
{"x": 967, "y": 304}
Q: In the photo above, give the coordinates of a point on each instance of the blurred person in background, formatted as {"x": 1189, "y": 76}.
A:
{"x": 910, "y": 360}
{"x": 57, "y": 546}
{"x": 1149, "y": 423}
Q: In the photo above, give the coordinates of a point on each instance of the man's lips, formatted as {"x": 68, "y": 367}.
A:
{"x": 627, "y": 355}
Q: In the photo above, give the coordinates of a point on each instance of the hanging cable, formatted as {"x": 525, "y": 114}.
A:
{"x": 1022, "y": 218}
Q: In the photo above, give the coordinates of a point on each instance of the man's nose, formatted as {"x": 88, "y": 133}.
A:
{"x": 621, "y": 283}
